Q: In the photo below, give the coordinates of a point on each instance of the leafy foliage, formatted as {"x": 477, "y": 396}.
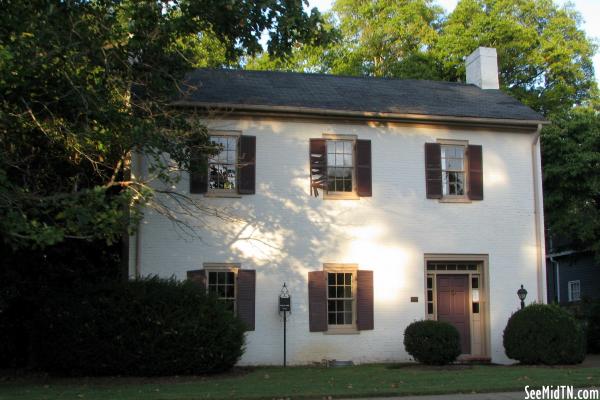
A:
{"x": 545, "y": 58}
{"x": 432, "y": 342}
{"x": 145, "y": 327}
{"x": 83, "y": 84}
{"x": 544, "y": 334}
{"x": 571, "y": 151}
{"x": 587, "y": 314}
{"x": 30, "y": 277}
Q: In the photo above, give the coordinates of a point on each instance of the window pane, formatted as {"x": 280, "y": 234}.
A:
{"x": 221, "y": 291}
{"x": 332, "y": 292}
{"x": 430, "y": 295}
{"x": 475, "y": 308}
{"x": 331, "y": 305}
{"x": 332, "y": 319}
{"x": 230, "y": 278}
{"x": 475, "y": 282}
{"x": 429, "y": 281}
{"x": 348, "y": 279}
{"x": 212, "y": 278}
{"x": 339, "y": 279}
{"x": 230, "y": 291}
{"x": 331, "y": 278}
{"x": 347, "y": 147}
{"x": 340, "y": 319}
{"x": 348, "y": 305}
{"x": 430, "y": 308}
{"x": 339, "y": 147}
{"x": 348, "y": 317}
{"x": 347, "y": 292}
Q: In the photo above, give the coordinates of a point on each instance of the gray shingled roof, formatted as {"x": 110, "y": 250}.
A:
{"x": 355, "y": 94}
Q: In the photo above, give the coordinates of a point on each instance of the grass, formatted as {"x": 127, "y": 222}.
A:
{"x": 303, "y": 383}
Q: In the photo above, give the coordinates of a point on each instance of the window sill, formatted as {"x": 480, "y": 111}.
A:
{"x": 457, "y": 199}
{"x": 342, "y": 331}
{"x": 340, "y": 196}
{"x": 231, "y": 195}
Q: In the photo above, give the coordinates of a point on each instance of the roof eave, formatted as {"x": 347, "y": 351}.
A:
{"x": 305, "y": 112}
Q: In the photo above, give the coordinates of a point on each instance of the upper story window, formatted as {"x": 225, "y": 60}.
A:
{"x": 340, "y": 166}
{"x": 574, "y": 290}
{"x": 229, "y": 173}
{"x": 222, "y": 167}
{"x": 453, "y": 170}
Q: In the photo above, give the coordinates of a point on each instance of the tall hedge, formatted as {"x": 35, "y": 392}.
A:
{"x": 142, "y": 328}
{"x": 544, "y": 334}
{"x": 432, "y": 342}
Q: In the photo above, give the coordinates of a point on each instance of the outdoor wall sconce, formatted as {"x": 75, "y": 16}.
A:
{"x": 522, "y": 293}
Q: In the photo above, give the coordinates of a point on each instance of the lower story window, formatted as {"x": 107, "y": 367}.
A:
{"x": 340, "y": 298}
{"x": 222, "y": 285}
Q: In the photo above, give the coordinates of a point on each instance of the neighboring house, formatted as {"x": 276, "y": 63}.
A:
{"x": 377, "y": 201}
{"x": 571, "y": 275}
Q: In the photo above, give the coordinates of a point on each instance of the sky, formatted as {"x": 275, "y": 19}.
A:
{"x": 589, "y": 10}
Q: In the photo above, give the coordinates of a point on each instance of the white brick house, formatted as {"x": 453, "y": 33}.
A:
{"x": 429, "y": 206}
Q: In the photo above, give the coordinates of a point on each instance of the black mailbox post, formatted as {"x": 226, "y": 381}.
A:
{"x": 285, "y": 306}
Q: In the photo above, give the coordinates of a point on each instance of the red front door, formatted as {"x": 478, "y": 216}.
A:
{"x": 453, "y": 306}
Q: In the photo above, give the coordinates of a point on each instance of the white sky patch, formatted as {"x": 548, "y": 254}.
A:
{"x": 589, "y": 10}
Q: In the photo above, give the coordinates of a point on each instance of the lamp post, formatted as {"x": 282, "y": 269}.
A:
{"x": 285, "y": 306}
{"x": 522, "y": 293}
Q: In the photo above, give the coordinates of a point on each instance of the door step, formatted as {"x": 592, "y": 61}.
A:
{"x": 473, "y": 360}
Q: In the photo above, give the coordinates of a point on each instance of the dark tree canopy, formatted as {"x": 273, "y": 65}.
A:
{"x": 69, "y": 118}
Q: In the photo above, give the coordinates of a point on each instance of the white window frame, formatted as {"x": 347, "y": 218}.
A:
{"x": 342, "y": 268}
{"x": 572, "y": 292}
{"x": 452, "y": 198}
{"x": 225, "y": 192}
{"x": 223, "y": 267}
{"x": 353, "y": 195}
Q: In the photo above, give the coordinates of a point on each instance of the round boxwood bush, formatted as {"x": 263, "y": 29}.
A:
{"x": 432, "y": 342}
{"x": 141, "y": 328}
{"x": 544, "y": 334}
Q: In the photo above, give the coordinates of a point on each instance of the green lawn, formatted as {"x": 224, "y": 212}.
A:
{"x": 304, "y": 383}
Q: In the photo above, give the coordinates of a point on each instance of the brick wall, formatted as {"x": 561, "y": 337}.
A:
{"x": 283, "y": 233}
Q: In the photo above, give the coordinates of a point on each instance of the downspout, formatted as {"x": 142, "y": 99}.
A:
{"x": 138, "y": 232}
{"x": 556, "y": 278}
{"x": 538, "y": 208}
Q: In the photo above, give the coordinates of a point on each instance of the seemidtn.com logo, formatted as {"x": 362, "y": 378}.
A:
{"x": 561, "y": 392}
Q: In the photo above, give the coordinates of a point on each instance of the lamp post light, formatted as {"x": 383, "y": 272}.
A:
{"x": 522, "y": 293}
{"x": 285, "y": 306}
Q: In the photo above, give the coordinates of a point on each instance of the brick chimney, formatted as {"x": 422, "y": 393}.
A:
{"x": 482, "y": 68}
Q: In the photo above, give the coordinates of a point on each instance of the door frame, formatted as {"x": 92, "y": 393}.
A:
{"x": 484, "y": 294}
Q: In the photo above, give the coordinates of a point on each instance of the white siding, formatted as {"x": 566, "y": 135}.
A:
{"x": 283, "y": 233}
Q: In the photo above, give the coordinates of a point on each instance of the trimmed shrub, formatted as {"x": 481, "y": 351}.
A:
{"x": 544, "y": 334}
{"x": 432, "y": 342}
{"x": 141, "y": 328}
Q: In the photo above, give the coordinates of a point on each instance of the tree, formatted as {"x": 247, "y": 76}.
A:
{"x": 372, "y": 38}
{"x": 381, "y": 35}
{"x": 545, "y": 58}
{"x": 84, "y": 83}
{"x": 571, "y": 155}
